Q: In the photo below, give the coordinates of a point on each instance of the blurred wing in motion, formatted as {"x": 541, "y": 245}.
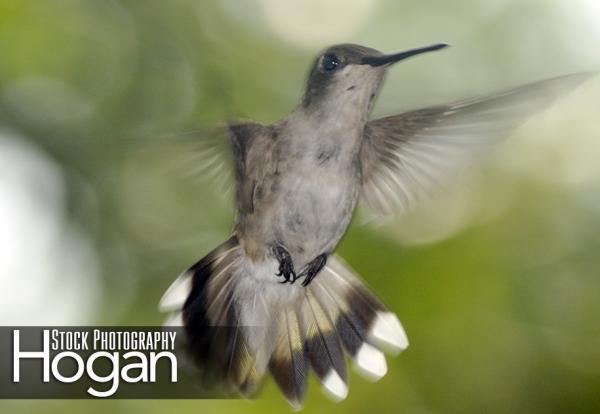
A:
{"x": 406, "y": 156}
{"x": 212, "y": 154}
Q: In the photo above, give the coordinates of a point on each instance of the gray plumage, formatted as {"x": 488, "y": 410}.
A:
{"x": 297, "y": 184}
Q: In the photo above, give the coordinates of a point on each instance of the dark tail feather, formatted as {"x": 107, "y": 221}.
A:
{"x": 222, "y": 297}
{"x": 363, "y": 323}
{"x": 289, "y": 364}
{"x": 203, "y": 300}
{"x": 324, "y": 348}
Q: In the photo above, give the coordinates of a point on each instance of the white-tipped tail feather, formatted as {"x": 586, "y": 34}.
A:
{"x": 241, "y": 324}
{"x": 334, "y": 386}
{"x": 174, "y": 320}
{"x": 175, "y": 296}
{"x": 387, "y": 332}
{"x": 370, "y": 362}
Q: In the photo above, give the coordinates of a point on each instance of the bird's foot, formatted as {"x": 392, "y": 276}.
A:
{"x": 313, "y": 268}
{"x": 286, "y": 266}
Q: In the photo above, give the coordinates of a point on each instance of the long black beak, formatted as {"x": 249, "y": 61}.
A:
{"x": 397, "y": 57}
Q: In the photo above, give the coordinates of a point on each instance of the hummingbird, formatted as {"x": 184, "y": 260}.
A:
{"x": 274, "y": 297}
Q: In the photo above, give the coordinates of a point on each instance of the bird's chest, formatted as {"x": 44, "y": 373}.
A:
{"x": 320, "y": 174}
{"x": 317, "y": 194}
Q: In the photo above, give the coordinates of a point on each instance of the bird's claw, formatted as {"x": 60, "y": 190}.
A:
{"x": 313, "y": 268}
{"x": 286, "y": 269}
{"x": 286, "y": 266}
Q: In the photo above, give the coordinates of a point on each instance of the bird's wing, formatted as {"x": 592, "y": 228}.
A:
{"x": 406, "y": 156}
{"x": 217, "y": 154}
{"x": 251, "y": 149}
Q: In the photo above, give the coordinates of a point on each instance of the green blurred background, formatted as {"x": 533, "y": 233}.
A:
{"x": 497, "y": 281}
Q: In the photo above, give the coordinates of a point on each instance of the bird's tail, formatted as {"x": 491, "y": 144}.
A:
{"x": 242, "y": 322}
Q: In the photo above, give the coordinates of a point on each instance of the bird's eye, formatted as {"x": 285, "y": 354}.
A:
{"x": 330, "y": 62}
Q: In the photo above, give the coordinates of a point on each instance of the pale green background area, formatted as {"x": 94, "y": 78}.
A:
{"x": 496, "y": 281}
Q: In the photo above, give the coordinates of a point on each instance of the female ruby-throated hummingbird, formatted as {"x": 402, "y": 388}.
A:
{"x": 273, "y": 297}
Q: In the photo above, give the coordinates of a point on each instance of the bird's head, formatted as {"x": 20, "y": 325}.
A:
{"x": 348, "y": 76}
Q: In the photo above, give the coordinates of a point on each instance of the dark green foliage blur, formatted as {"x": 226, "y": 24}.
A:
{"x": 497, "y": 282}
